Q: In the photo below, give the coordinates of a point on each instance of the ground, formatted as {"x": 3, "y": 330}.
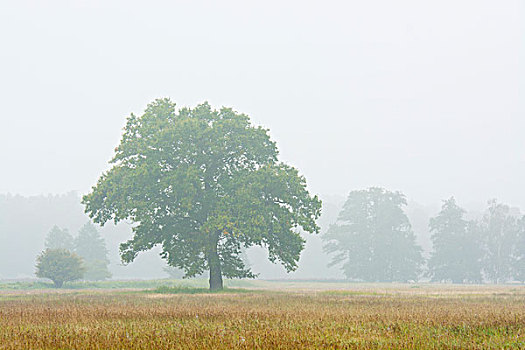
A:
{"x": 264, "y": 314}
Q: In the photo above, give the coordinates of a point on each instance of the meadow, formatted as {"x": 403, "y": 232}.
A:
{"x": 263, "y": 315}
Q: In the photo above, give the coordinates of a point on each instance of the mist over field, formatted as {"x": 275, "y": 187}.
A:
{"x": 262, "y": 175}
{"x": 417, "y": 97}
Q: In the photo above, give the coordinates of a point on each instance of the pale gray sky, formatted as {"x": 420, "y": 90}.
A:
{"x": 426, "y": 97}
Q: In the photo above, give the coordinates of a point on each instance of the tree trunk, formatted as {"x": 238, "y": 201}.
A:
{"x": 215, "y": 269}
{"x": 58, "y": 284}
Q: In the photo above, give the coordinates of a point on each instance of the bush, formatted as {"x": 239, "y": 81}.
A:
{"x": 59, "y": 265}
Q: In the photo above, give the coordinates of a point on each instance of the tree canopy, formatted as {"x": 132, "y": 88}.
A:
{"x": 500, "y": 231}
{"x": 373, "y": 238}
{"x": 203, "y": 183}
{"x": 519, "y": 251}
{"x": 59, "y": 238}
{"x": 90, "y": 246}
{"x": 59, "y": 265}
{"x": 457, "y": 253}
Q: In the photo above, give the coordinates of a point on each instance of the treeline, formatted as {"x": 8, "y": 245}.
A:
{"x": 373, "y": 241}
{"x": 25, "y": 222}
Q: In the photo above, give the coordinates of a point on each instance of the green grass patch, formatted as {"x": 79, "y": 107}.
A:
{"x": 197, "y": 283}
{"x": 192, "y": 290}
{"x": 131, "y": 284}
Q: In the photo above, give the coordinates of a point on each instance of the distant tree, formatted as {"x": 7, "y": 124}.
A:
{"x": 90, "y": 246}
{"x": 373, "y": 238}
{"x": 59, "y": 265}
{"x": 202, "y": 184}
{"x": 500, "y": 231}
{"x": 59, "y": 238}
{"x": 456, "y": 252}
{"x": 18, "y": 251}
{"x": 519, "y": 252}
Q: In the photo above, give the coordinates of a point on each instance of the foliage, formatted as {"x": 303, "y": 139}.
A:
{"x": 373, "y": 238}
{"x": 500, "y": 231}
{"x": 59, "y": 238}
{"x": 59, "y": 265}
{"x": 456, "y": 252}
{"x": 203, "y": 184}
{"x": 90, "y": 246}
{"x": 519, "y": 252}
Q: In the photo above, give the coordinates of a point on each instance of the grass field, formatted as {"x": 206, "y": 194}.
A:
{"x": 267, "y": 315}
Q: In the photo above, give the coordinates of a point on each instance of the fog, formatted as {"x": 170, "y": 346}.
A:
{"x": 419, "y": 97}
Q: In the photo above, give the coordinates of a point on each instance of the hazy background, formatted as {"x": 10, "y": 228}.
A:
{"x": 422, "y": 97}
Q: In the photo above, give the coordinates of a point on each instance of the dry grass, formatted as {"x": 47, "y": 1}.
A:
{"x": 367, "y": 316}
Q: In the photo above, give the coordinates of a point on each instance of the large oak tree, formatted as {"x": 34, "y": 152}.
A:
{"x": 202, "y": 184}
